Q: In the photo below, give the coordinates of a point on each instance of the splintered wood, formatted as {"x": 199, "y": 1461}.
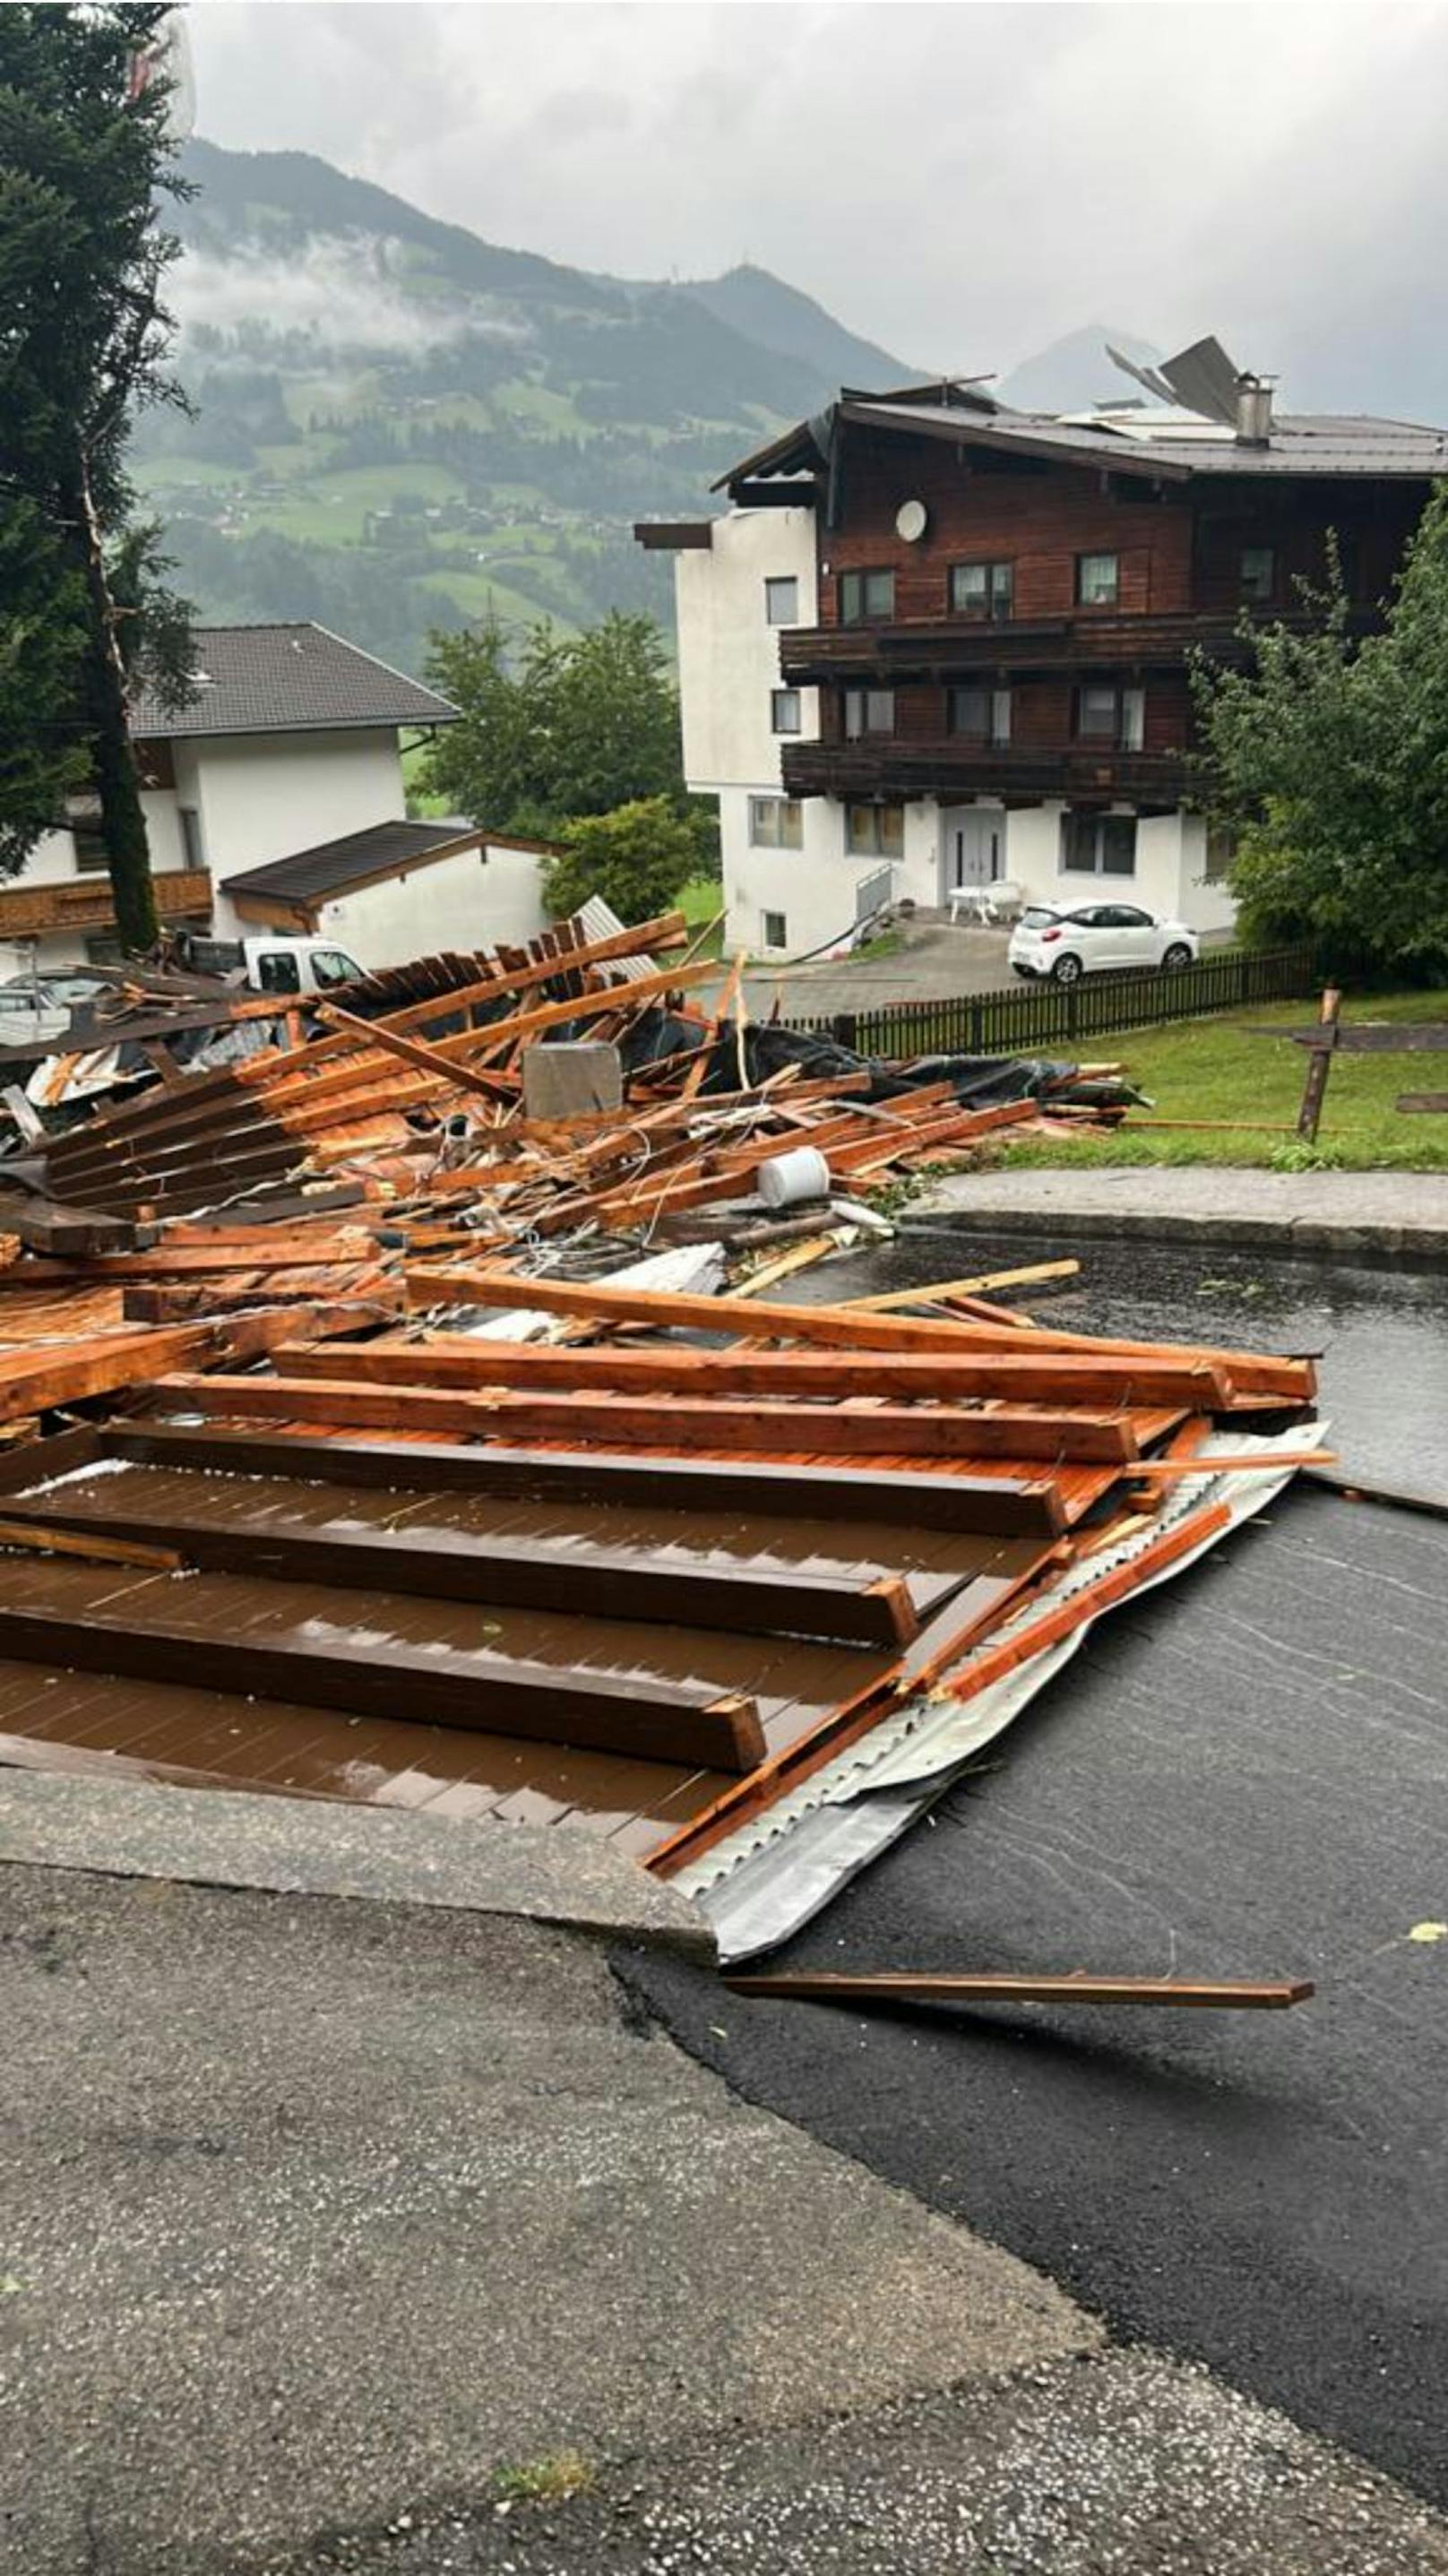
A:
{"x": 475, "y": 1513}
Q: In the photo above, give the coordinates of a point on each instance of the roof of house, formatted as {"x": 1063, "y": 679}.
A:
{"x": 361, "y": 858}
{"x": 1174, "y": 446}
{"x": 288, "y": 679}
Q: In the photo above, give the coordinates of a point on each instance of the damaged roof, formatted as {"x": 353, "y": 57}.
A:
{"x": 287, "y": 679}
{"x": 1165, "y": 445}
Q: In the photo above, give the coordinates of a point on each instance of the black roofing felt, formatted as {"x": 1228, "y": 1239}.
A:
{"x": 331, "y": 866}
{"x": 288, "y": 679}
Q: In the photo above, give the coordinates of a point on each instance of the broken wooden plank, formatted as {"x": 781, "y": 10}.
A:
{"x": 838, "y": 1327}
{"x": 459, "y": 1565}
{"x": 1219, "y": 1994}
{"x": 629, "y": 1713}
{"x": 1054, "y": 1377}
{"x": 760, "y": 1428}
{"x": 992, "y": 1506}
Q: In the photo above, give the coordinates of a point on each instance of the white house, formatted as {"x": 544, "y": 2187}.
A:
{"x": 287, "y": 758}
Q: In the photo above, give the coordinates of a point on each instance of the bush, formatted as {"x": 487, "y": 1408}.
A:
{"x": 639, "y": 858}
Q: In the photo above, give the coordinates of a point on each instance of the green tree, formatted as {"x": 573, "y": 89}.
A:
{"x": 639, "y": 858}
{"x": 42, "y": 636}
{"x": 569, "y": 727}
{"x": 1329, "y": 759}
{"x": 84, "y": 337}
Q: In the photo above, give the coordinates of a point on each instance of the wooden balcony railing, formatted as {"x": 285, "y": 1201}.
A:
{"x": 85, "y": 903}
{"x": 884, "y": 765}
{"x": 811, "y": 655}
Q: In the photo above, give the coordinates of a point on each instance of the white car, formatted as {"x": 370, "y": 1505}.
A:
{"x": 1087, "y": 938}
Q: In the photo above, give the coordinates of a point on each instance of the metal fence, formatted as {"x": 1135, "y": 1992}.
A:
{"x": 1030, "y": 1018}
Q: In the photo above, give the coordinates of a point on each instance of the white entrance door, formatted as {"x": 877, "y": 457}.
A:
{"x": 975, "y": 847}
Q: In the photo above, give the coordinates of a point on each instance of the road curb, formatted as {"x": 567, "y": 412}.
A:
{"x": 557, "y": 1875}
{"x": 1297, "y": 1238}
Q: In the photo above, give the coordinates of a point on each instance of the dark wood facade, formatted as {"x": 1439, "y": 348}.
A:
{"x": 1190, "y": 555}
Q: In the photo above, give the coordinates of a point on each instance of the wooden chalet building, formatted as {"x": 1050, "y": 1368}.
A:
{"x": 935, "y": 643}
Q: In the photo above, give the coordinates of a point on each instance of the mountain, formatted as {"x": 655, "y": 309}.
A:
{"x": 1074, "y": 372}
{"x": 762, "y": 308}
{"x": 400, "y": 426}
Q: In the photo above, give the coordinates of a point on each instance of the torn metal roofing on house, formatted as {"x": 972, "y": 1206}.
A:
{"x": 1128, "y": 441}
{"x": 287, "y": 679}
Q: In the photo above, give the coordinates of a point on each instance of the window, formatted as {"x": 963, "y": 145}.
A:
{"x": 1257, "y": 573}
{"x": 277, "y": 971}
{"x": 774, "y": 930}
{"x": 89, "y": 840}
{"x": 332, "y": 966}
{"x": 1098, "y": 580}
{"x": 875, "y": 831}
{"x": 1109, "y": 715}
{"x": 776, "y": 823}
{"x": 1098, "y": 714}
{"x": 191, "y": 841}
{"x": 868, "y": 711}
{"x": 865, "y": 596}
{"x": 781, "y": 600}
{"x": 981, "y": 715}
{"x": 1221, "y": 851}
{"x": 1098, "y": 845}
{"x": 982, "y": 589}
{"x": 784, "y": 710}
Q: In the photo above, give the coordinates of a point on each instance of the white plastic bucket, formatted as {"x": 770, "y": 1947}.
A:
{"x": 790, "y": 1179}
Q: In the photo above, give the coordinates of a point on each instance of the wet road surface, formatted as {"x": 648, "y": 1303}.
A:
{"x": 1245, "y": 1774}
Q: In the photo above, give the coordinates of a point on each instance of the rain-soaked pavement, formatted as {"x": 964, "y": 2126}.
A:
{"x": 1244, "y": 1773}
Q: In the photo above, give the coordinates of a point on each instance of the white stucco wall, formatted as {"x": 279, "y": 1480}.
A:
{"x": 1207, "y": 906}
{"x": 262, "y": 796}
{"x": 728, "y": 651}
{"x": 815, "y": 886}
{"x": 465, "y": 902}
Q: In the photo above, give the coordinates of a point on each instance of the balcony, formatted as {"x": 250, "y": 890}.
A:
{"x": 884, "y": 765}
{"x": 85, "y": 903}
{"x": 811, "y": 655}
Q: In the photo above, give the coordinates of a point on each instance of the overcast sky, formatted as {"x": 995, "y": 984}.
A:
{"x": 959, "y": 182}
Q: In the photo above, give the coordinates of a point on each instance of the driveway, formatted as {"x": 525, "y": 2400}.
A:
{"x": 1244, "y": 1774}
{"x": 936, "y": 961}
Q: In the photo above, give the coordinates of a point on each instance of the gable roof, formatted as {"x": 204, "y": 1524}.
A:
{"x": 311, "y": 877}
{"x": 288, "y": 679}
{"x": 1166, "y": 446}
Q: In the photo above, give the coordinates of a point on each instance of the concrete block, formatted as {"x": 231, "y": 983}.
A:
{"x": 571, "y": 1080}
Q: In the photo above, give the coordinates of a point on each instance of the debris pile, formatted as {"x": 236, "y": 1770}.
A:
{"x": 495, "y": 1499}
{"x": 249, "y": 1157}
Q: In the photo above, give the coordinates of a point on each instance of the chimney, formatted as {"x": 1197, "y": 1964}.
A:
{"x": 1254, "y": 411}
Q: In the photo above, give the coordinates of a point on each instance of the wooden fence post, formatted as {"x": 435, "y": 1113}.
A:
{"x": 1319, "y": 1065}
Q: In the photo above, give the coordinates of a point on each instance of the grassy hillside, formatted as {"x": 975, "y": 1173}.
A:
{"x": 399, "y": 426}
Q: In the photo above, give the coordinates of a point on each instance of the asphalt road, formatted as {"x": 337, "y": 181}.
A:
{"x": 1243, "y": 1775}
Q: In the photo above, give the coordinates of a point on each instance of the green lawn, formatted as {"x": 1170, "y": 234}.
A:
{"x": 701, "y": 900}
{"x": 1219, "y": 1069}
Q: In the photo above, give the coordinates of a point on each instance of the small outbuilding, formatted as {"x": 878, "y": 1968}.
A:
{"x": 397, "y": 890}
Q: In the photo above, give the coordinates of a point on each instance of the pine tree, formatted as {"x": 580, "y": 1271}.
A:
{"x": 84, "y": 338}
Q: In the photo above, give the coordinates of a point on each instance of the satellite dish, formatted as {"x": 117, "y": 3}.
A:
{"x": 911, "y": 521}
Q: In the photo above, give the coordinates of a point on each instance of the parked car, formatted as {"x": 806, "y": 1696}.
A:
{"x": 36, "y": 1008}
{"x": 1089, "y": 937}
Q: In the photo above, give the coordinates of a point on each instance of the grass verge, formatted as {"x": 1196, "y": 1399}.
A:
{"x": 1229, "y": 1069}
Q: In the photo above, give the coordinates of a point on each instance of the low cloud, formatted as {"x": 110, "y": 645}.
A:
{"x": 342, "y": 295}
